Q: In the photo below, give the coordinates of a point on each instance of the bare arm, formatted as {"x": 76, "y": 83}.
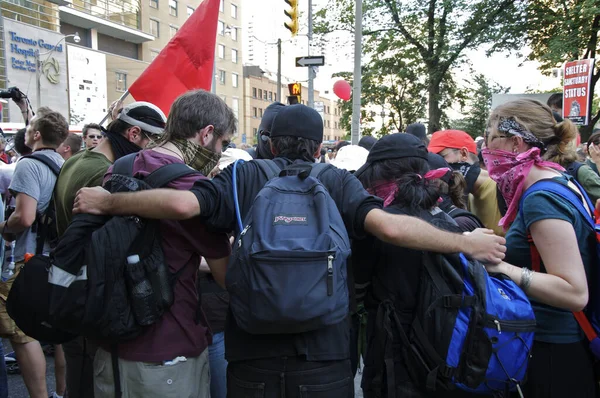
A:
{"x": 218, "y": 267}
{"x": 564, "y": 285}
{"x": 169, "y": 204}
{"x": 25, "y": 111}
{"x": 23, "y": 216}
{"x": 414, "y": 233}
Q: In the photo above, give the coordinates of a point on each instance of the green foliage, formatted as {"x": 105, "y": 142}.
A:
{"x": 418, "y": 42}
{"x": 479, "y": 106}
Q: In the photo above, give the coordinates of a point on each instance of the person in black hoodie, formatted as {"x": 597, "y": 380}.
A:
{"x": 397, "y": 171}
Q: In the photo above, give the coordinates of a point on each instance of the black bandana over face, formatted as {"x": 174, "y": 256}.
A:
{"x": 120, "y": 145}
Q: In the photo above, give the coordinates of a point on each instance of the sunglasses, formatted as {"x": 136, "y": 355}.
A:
{"x": 152, "y": 137}
{"x": 95, "y": 137}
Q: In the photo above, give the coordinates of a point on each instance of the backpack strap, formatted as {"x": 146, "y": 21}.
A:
{"x": 573, "y": 168}
{"x": 566, "y": 193}
{"x": 124, "y": 165}
{"x": 45, "y": 160}
{"x": 43, "y": 220}
{"x": 268, "y": 167}
{"x": 318, "y": 169}
{"x": 170, "y": 172}
{"x": 577, "y": 201}
{"x": 159, "y": 177}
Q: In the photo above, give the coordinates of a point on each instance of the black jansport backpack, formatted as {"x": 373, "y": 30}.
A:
{"x": 288, "y": 269}
{"x": 107, "y": 279}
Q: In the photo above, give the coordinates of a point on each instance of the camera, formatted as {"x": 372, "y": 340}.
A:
{"x": 12, "y": 92}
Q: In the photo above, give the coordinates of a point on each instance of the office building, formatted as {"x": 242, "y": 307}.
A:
{"x": 118, "y": 40}
{"x": 260, "y": 90}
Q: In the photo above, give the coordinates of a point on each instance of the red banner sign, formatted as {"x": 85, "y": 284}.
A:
{"x": 576, "y": 91}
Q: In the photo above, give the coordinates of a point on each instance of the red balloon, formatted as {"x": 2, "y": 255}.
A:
{"x": 342, "y": 89}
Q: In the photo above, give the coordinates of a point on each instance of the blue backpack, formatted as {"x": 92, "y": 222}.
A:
{"x": 288, "y": 272}
{"x": 470, "y": 330}
{"x": 589, "y": 319}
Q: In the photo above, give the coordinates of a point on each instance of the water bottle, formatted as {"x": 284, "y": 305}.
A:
{"x": 9, "y": 270}
{"x": 142, "y": 295}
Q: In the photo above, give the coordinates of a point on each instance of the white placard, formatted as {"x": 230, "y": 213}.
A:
{"x": 87, "y": 85}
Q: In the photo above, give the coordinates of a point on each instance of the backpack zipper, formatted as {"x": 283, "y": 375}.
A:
{"x": 330, "y": 274}
{"x": 511, "y": 326}
{"x": 242, "y": 234}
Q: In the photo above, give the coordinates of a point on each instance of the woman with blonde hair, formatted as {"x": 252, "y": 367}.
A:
{"x": 521, "y": 134}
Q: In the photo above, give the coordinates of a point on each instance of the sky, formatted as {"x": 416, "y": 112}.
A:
{"x": 264, "y": 24}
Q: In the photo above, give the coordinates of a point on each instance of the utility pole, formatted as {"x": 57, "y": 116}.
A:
{"x": 311, "y": 69}
{"x": 279, "y": 70}
{"x": 356, "y": 90}
{"x": 214, "y": 76}
{"x": 38, "y": 79}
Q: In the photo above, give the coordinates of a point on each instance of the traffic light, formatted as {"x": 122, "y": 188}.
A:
{"x": 295, "y": 96}
{"x": 292, "y": 13}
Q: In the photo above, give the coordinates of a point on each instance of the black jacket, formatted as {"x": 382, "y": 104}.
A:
{"x": 217, "y": 210}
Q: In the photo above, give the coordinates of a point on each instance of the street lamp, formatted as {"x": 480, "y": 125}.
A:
{"x": 39, "y": 64}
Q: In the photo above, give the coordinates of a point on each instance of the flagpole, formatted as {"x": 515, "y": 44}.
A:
{"x": 125, "y": 94}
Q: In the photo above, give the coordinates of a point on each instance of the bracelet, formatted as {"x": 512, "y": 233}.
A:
{"x": 526, "y": 277}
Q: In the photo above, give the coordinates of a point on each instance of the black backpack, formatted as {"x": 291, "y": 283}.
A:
{"x": 107, "y": 279}
{"x": 456, "y": 212}
{"x": 469, "y": 330}
{"x": 30, "y": 319}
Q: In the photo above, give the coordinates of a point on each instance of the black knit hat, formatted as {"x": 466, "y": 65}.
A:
{"x": 418, "y": 130}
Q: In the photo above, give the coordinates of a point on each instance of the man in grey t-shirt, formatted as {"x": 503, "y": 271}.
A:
{"x": 32, "y": 186}
{"x": 36, "y": 180}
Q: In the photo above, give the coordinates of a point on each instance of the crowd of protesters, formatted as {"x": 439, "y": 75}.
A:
{"x": 399, "y": 196}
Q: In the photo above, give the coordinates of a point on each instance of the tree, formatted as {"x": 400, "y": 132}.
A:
{"x": 392, "y": 83}
{"x": 438, "y": 31}
{"x": 564, "y": 31}
{"x": 479, "y": 106}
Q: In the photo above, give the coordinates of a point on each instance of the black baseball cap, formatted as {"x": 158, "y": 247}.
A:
{"x": 298, "y": 121}
{"x": 395, "y": 146}
{"x": 269, "y": 115}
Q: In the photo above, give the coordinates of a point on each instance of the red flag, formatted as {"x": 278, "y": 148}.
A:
{"x": 186, "y": 63}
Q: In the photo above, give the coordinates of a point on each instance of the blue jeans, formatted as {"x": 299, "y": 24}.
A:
{"x": 3, "y": 377}
{"x": 218, "y": 366}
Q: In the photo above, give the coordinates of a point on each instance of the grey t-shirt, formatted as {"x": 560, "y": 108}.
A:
{"x": 36, "y": 180}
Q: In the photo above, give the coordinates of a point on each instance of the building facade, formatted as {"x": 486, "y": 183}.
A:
{"x": 260, "y": 91}
{"x": 121, "y": 36}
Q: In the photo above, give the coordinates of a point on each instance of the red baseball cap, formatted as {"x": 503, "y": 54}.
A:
{"x": 454, "y": 139}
